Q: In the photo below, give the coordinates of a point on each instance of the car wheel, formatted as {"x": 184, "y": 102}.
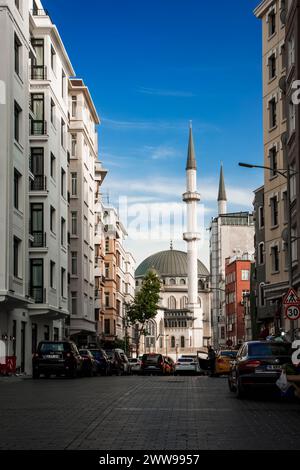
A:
{"x": 240, "y": 391}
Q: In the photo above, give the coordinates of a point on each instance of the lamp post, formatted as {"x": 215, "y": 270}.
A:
{"x": 286, "y": 173}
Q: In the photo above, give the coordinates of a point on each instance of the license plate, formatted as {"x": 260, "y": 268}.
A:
{"x": 274, "y": 367}
{"x": 51, "y": 356}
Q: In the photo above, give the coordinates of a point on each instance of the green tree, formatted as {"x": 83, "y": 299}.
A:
{"x": 145, "y": 305}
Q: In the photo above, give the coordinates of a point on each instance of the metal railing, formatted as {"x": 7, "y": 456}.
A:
{"x": 38, "y": 72}
{"x": 39, "y": 12}
{"x": 38, "y": 127}
{"x": 39, "y": 183}
{"x": 39, "y": 239}
{"x": 38, "y": 294}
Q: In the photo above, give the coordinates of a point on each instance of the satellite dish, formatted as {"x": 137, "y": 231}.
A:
{"x": 285, "y": 235}
{"x": 284, "y": 138}
{"x": 282, "y": 84}
{"x": 283, "y": 17}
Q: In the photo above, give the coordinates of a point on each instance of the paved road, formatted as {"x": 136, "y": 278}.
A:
{"x": 147, "y": 413}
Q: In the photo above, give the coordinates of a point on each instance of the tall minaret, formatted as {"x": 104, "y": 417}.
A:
{"x": 222, "y": 198}
{"x": 191, "y": 197}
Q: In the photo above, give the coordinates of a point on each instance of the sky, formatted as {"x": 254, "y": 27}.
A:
{"x": 152, "y": 66}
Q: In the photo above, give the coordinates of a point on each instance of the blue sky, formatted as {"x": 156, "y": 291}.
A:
{"x": 152, "y": 66}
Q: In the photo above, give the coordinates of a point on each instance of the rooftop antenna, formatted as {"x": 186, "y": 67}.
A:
{"x": 171, "y": 245}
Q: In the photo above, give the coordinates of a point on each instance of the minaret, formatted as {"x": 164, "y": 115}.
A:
{"x": 191, "y": 198}
{"x": 222, "y": 198}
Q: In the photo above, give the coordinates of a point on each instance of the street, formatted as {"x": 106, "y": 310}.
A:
{"x": 141, "y": 413}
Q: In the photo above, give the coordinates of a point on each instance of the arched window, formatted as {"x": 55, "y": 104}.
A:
{"x": 199, "y": 301}
{"x": 183, "y": 302}
{"x": 182, "y": 282}
{"x": 182, "y": 342}
{"x": 200, "y": 285}
{"x": 172, "y": 342}
{"x": 172, "y": 303}
{"x": 172, "y": 282}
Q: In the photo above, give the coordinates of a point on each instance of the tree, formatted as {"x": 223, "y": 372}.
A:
{"x": 145, "y": 305}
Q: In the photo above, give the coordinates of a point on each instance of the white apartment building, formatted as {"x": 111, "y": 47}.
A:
{"x": 83, "y": 160}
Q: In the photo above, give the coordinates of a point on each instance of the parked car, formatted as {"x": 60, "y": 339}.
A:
{"x": 223, "y": 362}
{"x": 90, "y": 367}
{"x": 103, "y": 361}
{"x": 153, "y": 363}
{"x": 135, "y": 365}
{"x": 119, "y": 362}
{"x": 258, "y": 364}
{"x": 56, "y": 357}
{"x": 187, "y": 365}
{"x": 169, "y": 365}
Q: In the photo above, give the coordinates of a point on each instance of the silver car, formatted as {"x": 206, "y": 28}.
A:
{"x": 187, "y": 365}
{"x": 135, "y": 365}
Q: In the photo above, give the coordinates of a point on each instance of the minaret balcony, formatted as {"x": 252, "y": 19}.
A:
{"x": 191, "y": 196}
{"x": 191, "y": 236}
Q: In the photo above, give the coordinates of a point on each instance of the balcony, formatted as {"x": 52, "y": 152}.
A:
{"x": 39, "y": 12}
{"x": 38, "y": 72}
{"x": 39, "y": 239}
{"x": 38, "y": 294}
{"x": 38, "y": 127}
{"x": 39, "y": 183}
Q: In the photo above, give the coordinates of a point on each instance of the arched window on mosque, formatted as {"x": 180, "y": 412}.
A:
{"x": 183, "y": 302}
{"x": 172, "y": 342}
{"x": 182, "y": 342}
{"x": 182, "y": 282}
{"x": 172, "y": 303}
{"x": 201, "y": 285}
{"x": 172, "y": 282}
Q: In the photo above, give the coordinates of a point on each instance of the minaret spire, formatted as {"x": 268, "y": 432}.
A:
{"x": 191, "y": 158}
{"x": 222, "y": 198}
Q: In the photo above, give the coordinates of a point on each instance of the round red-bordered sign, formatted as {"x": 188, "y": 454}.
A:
{"x": 292, "y": 312}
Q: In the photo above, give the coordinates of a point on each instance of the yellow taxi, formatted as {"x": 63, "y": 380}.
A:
{"x": 223, "y": 359}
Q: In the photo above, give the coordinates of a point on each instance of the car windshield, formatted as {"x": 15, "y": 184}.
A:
{"x": 269, "y": 349}
{"x": 151, "y": 357}
{"x": 53, "y": 347}
{"x": 185, "y": 360}
{"x": 228, "y": 353}
{"x": 97, "y": 354}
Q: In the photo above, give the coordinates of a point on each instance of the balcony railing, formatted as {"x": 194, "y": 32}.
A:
{"x": 39, "y": 183}
{"x": 39, "y": 12}
{"x": 39, "y": 239}
{"x": 38, "y": 127}
{"x": 38, "y": 72}
{"x": 38, "y": 294}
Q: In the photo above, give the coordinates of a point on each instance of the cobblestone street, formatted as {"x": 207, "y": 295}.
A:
{"x": 147, "y": 413}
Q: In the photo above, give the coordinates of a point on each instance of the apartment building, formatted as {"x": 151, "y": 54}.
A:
{"x": 293, "y": 129}
{"x": 274, "y": 52}
{"x": 83, "y": 158}
{"x": 237, "y": 287}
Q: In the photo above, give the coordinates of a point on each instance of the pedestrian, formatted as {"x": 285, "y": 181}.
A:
{"x": 211, "y": 360}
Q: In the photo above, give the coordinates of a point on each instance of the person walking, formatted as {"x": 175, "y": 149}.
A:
{"x": 211, "y": 360}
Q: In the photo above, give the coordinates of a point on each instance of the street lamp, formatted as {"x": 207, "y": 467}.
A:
{"x": 286, "y": 173}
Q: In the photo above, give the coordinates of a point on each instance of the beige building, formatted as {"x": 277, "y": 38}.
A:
{"x": 83, "y": 145}
{"x": 274, "y": 215}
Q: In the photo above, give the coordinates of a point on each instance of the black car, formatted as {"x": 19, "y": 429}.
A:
{"x": 119, "y": 362}
{"x": 56, "y": 357}
{"x": 103, "y": 361}
{"x": 89, "y": 365}
{"x": 153, "y": 363}
{"x": 258, "y": 364}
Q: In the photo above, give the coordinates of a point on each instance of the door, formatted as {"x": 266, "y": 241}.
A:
{"x": 37, "y": 225}
{"x": 37, "y": 105}
{"x": 37, "y": 280}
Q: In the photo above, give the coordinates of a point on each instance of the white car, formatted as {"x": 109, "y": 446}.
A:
{"x": 135, "y": 365}
{"x": 187, "y": 365}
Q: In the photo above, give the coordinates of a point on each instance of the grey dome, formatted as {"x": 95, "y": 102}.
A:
{"x": 168, "y": 263}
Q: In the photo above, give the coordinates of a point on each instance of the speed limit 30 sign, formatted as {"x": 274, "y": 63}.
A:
{"x": 292, "y": 312}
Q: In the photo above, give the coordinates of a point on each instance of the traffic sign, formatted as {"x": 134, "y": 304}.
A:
{"x": 291, "y": 298}
{"x": 292, "y": 312}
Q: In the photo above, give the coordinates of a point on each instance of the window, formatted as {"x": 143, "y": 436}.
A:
{"x": 272, "y": 66}
{"x": 17, "y": 184}
{"x": 182, "y": 342}
{"x": 294, "y": 235}
{"x": 55, "y": 334}
{"x": 291, "y": 52}
{"x": 274, "y": 211}
{"x": 85, "y": 268}
{"x": 172, "y": 282}
{"x": 245, "y": 275}
{"x": 74, "y": 303}
{"x": 52, "y": 166}
{"x": 272, "y": 23}
{"x": 182, "y": 282}
{"x": 293, "y": 182}
{"x": 172, "y": 303}
{"x": 283, "y": 56}
{"x": 106, "y": 326}
{"x": 52, "y": 274}
{"x": 46, "y": 333}
{"x": 74, "y": 184}
{"x": 37, "y": 280}
{"x": 272, "y": 113}
{"x": 107, "y": 300}
{"x": 63, "y": 182}
{"x": 53, "y": 58}
{"x": 261, "y": 215}
{"x": 285, "y": 207}
{"x": 74, "y": 223}
{"x": 37, "y": 225}
{"x": 17, "y": 257}
{"x": 261, "y": 295}
{"x": 261, "y": 253}
{"x": 173, "y": 342}
{"x": 74, "y": 106}
{"x": 38, "y": 125}
{"x": 73, "y": 144}
{"x": 62, "y": 281}
{"x": 18, "y": 49}
{"x": 85, "y": 229}
{"x": 52, "y": 219}
{"x": 63, "y": 230}
{"x": 62, "y": 132}
{"x": 275, "y": 259}
{"x": 63, "y": 83}
{"x": 74, "y": 263}
{"x": 273, "y": 161}
{"x": 106, "y": 246}
{"x": 17, "y": 123}
{"x": 292, "y": 117}
{"x": 107, "y": 270}
{"x": 52, "y": 111}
